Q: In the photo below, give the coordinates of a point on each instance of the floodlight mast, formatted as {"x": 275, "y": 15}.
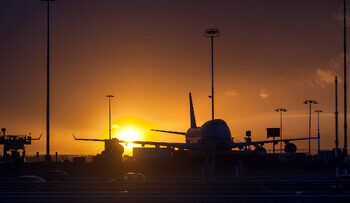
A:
{"x": 345, "y": 151}
{"x": 211, "y": 33}
{"x": 281, "y": 110}
{"x": 310, "y": 102}
{"x": 48, "y": 156}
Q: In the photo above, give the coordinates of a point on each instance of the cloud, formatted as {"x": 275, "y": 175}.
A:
{"x": 263, "y": 94}
{"x": 232, "y": 93}
{"x": 339, "y": 16}
{"x": 298, "y": 83}
{"x": 324, "y": 77}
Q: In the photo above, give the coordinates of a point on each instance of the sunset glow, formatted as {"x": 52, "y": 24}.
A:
{"x": 130, "y": 129}
{"x": 150, "y": 63}
{"x": 129, "y": 134}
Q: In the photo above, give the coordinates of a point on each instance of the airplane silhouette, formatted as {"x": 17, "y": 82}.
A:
{"x": 212, "y": 135}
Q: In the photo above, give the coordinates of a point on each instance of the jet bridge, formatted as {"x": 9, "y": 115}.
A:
{"x": 13, "y": 145}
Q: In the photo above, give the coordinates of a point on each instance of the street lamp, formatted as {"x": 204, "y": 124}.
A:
{"x": 318, "y": 111}
{"x": 211, "y": 33}
{"x": 310, "y": 102}
{"x": 281, "y": 110}
{"x": 109, "y": 115}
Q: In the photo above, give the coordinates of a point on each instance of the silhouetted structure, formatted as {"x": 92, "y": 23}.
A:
{"x": 12, "y": 145}
{"x": 213, "y": 134}
{"x": 281, "y": 110}
{"x": 113, "y": 149}
{"x": 310, "y": 102}
{"x": 273, "y": 132}
{"x": 318, "y": 111}
{"x": 248, "y": 139}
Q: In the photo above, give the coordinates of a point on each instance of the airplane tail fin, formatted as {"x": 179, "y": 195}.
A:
{"x": 193, "y": 118}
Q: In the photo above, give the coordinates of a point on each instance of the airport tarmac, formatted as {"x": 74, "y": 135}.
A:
{"x": 266, "y": 189}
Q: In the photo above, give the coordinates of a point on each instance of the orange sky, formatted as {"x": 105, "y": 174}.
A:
{"x": 150, "y": 54}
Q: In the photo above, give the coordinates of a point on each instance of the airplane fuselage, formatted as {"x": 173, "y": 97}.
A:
{"x": 212, "y": 135}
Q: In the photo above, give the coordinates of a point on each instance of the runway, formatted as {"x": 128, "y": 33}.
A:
{"x": 178, "y": 190}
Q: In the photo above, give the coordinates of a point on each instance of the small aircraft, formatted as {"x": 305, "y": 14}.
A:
{"x": 212, "y": 135}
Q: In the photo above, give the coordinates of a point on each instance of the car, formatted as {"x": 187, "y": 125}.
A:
{"x": 28, "y": 179}
{"x": 130, "y": 177}
{"x": 55, "y": 175}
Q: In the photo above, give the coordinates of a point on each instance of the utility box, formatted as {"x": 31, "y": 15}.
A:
{"x": 273, "y": 132}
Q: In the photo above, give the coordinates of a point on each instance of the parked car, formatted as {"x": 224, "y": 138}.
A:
{"x": 130, "y": 177}
{"x": 28, "y": 179}
{"x": 55, "y": 175}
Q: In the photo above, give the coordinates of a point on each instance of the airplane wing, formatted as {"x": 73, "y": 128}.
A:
{"x": 172, "y": 132}
{"x": 37, "y": 138}
{"x": 162, "y": 144}
{"x": 156, "y": 144}
{"x": 85, "y": 139}
{"x": 261, "y": 143}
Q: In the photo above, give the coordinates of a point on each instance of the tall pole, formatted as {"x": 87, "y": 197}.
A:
{"x": 318, "y": 111}
{"x": 48, "y": 156}
{"x": 212, "y": 77}
{"x": 310, "y": 102}
{"x": 337, "y": 153}
{"x": 281, "y": 110}
{"x": 336, "y": 113}
{"x": 345, "y": 152}
{"x": 211, "y": 33}
{"x": 281, "y": 132}
{"x": 309, "y": 129}
{"x": 109, "y": 117}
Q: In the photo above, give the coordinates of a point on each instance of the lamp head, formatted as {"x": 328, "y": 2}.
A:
{"x": 213, "y": 32}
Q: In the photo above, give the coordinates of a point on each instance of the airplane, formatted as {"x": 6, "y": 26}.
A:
{"x": 212, "y": 135}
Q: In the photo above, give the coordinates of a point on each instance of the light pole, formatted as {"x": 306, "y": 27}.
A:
{"x": 281, "y": 110}
{"x": 211, "y": 33}
{"x": 345, "y": 151}
{"x": 48, "y": 156}
{"x": 310, "y": 102}
{"x": 337, "y": 151}
{"x": 109, "y": 116}
{"x": 318, "y": 111}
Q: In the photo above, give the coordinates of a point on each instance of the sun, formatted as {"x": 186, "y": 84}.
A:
{"x": 128, "y": 133}
{"x": 129, "y": 128}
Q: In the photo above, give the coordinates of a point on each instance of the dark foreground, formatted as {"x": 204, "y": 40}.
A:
{"x": 266, "y": 189}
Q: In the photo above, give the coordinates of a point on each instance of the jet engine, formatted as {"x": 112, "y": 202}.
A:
{"x": 290, "y": 148}
{"x": 260, "y": 150}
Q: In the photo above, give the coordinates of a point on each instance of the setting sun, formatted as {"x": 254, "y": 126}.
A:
{"x": 128, "y": 133}
{"x": 129, "y": 129}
